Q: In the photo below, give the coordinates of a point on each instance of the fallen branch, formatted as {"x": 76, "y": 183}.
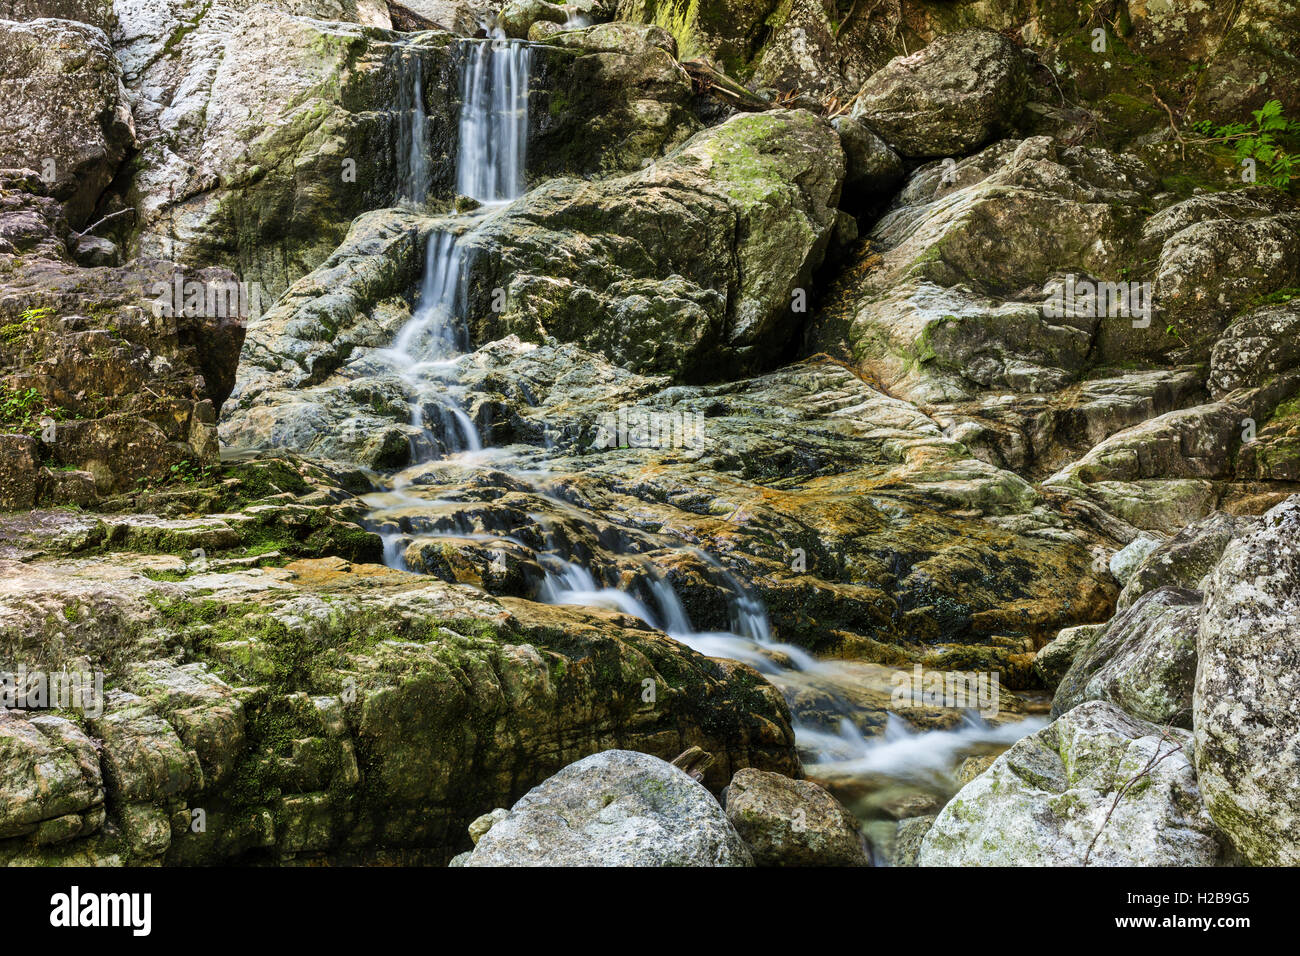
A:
{"x": 93, "y": 226}
{"x": 706, "y": 80}
{"x": 1182, "y": 143}
{"x": 1156, "y": 758}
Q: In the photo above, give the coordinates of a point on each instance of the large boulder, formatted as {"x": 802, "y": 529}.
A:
{"x": 1247, "y": 682}
{"x": 1096, "y": 786}
{"x": 615, "y": 808}
{"x": 66, "y": 113}
{"x": 788, "y": 822}
{"x": 1184, "y": 560}
{"x": 933, "y": 318}
{"x": 952, "y": 96}
{"x": 269, "y": 132}
{"x": 1144, "y": 661}
{"x": 697, "y": 267}
{"x": 606, "y": 99}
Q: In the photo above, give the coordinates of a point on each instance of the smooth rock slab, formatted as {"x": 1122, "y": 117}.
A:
{"x": 614, "y": 808}
{"x": 1044, "y": 801}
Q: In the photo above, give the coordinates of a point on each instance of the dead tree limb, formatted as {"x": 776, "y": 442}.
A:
{"x": 706, "y": 80}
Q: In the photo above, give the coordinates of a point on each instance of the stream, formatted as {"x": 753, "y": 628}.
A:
{"x": 896, "y": 772}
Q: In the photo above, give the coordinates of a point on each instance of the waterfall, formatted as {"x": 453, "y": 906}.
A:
{"x": 493, "y": 120}
{"x": 437, "y": 331}
{"x": 413, "y": 132}
{"x": 490, "y": 167}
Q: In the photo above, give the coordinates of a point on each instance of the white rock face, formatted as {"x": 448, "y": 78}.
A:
{"x": 1045, "y": 800}
{"x": 614, "y": 808}
{"x": 1246, "y": 705}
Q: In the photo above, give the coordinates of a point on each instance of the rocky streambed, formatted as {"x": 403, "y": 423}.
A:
{"x": 424, "y": 422}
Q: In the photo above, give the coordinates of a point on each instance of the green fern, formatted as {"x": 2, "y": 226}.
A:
{"x": 1259, "y": 141}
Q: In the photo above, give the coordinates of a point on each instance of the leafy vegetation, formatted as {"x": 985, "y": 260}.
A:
{"x": 1262, "y": 141}
{"x": 24, "y": 412}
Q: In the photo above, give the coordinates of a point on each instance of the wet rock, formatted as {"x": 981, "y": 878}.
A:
{"x": 615, "y": 808}
{"x": 1144, "y": 660}
{"x": 268, "y": 132}
{"x": 66, "y": 110}
{"x": 1246, "y": 685}
{"x": 788, "y": 822}
{"x": 322, "y": 674}
{"x": 1052, "y": 800}
{"x": 956, "y": 94}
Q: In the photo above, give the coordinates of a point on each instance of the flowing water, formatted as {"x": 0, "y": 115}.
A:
{"x": 490, "y": 168}
{"x": 493, "y": 120}
{"x": 413, "y": 157}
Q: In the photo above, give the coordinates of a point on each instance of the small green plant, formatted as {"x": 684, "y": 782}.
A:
{"x": 23, "y": 411}
{"x": 190, "y": 472}
{"x": 1260, "y": 142}
{"x": 27, "y": 323}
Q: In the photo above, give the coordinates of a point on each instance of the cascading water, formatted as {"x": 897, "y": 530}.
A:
{"x": 413, "y": 133}
{"x": 493, "y": 120}
{"x": 490, "y": 168}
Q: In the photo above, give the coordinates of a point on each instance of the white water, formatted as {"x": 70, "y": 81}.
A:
{"x": 413, "y": 130}
{"x": 493, "y": 120}
{"x": 490, "y": 168}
